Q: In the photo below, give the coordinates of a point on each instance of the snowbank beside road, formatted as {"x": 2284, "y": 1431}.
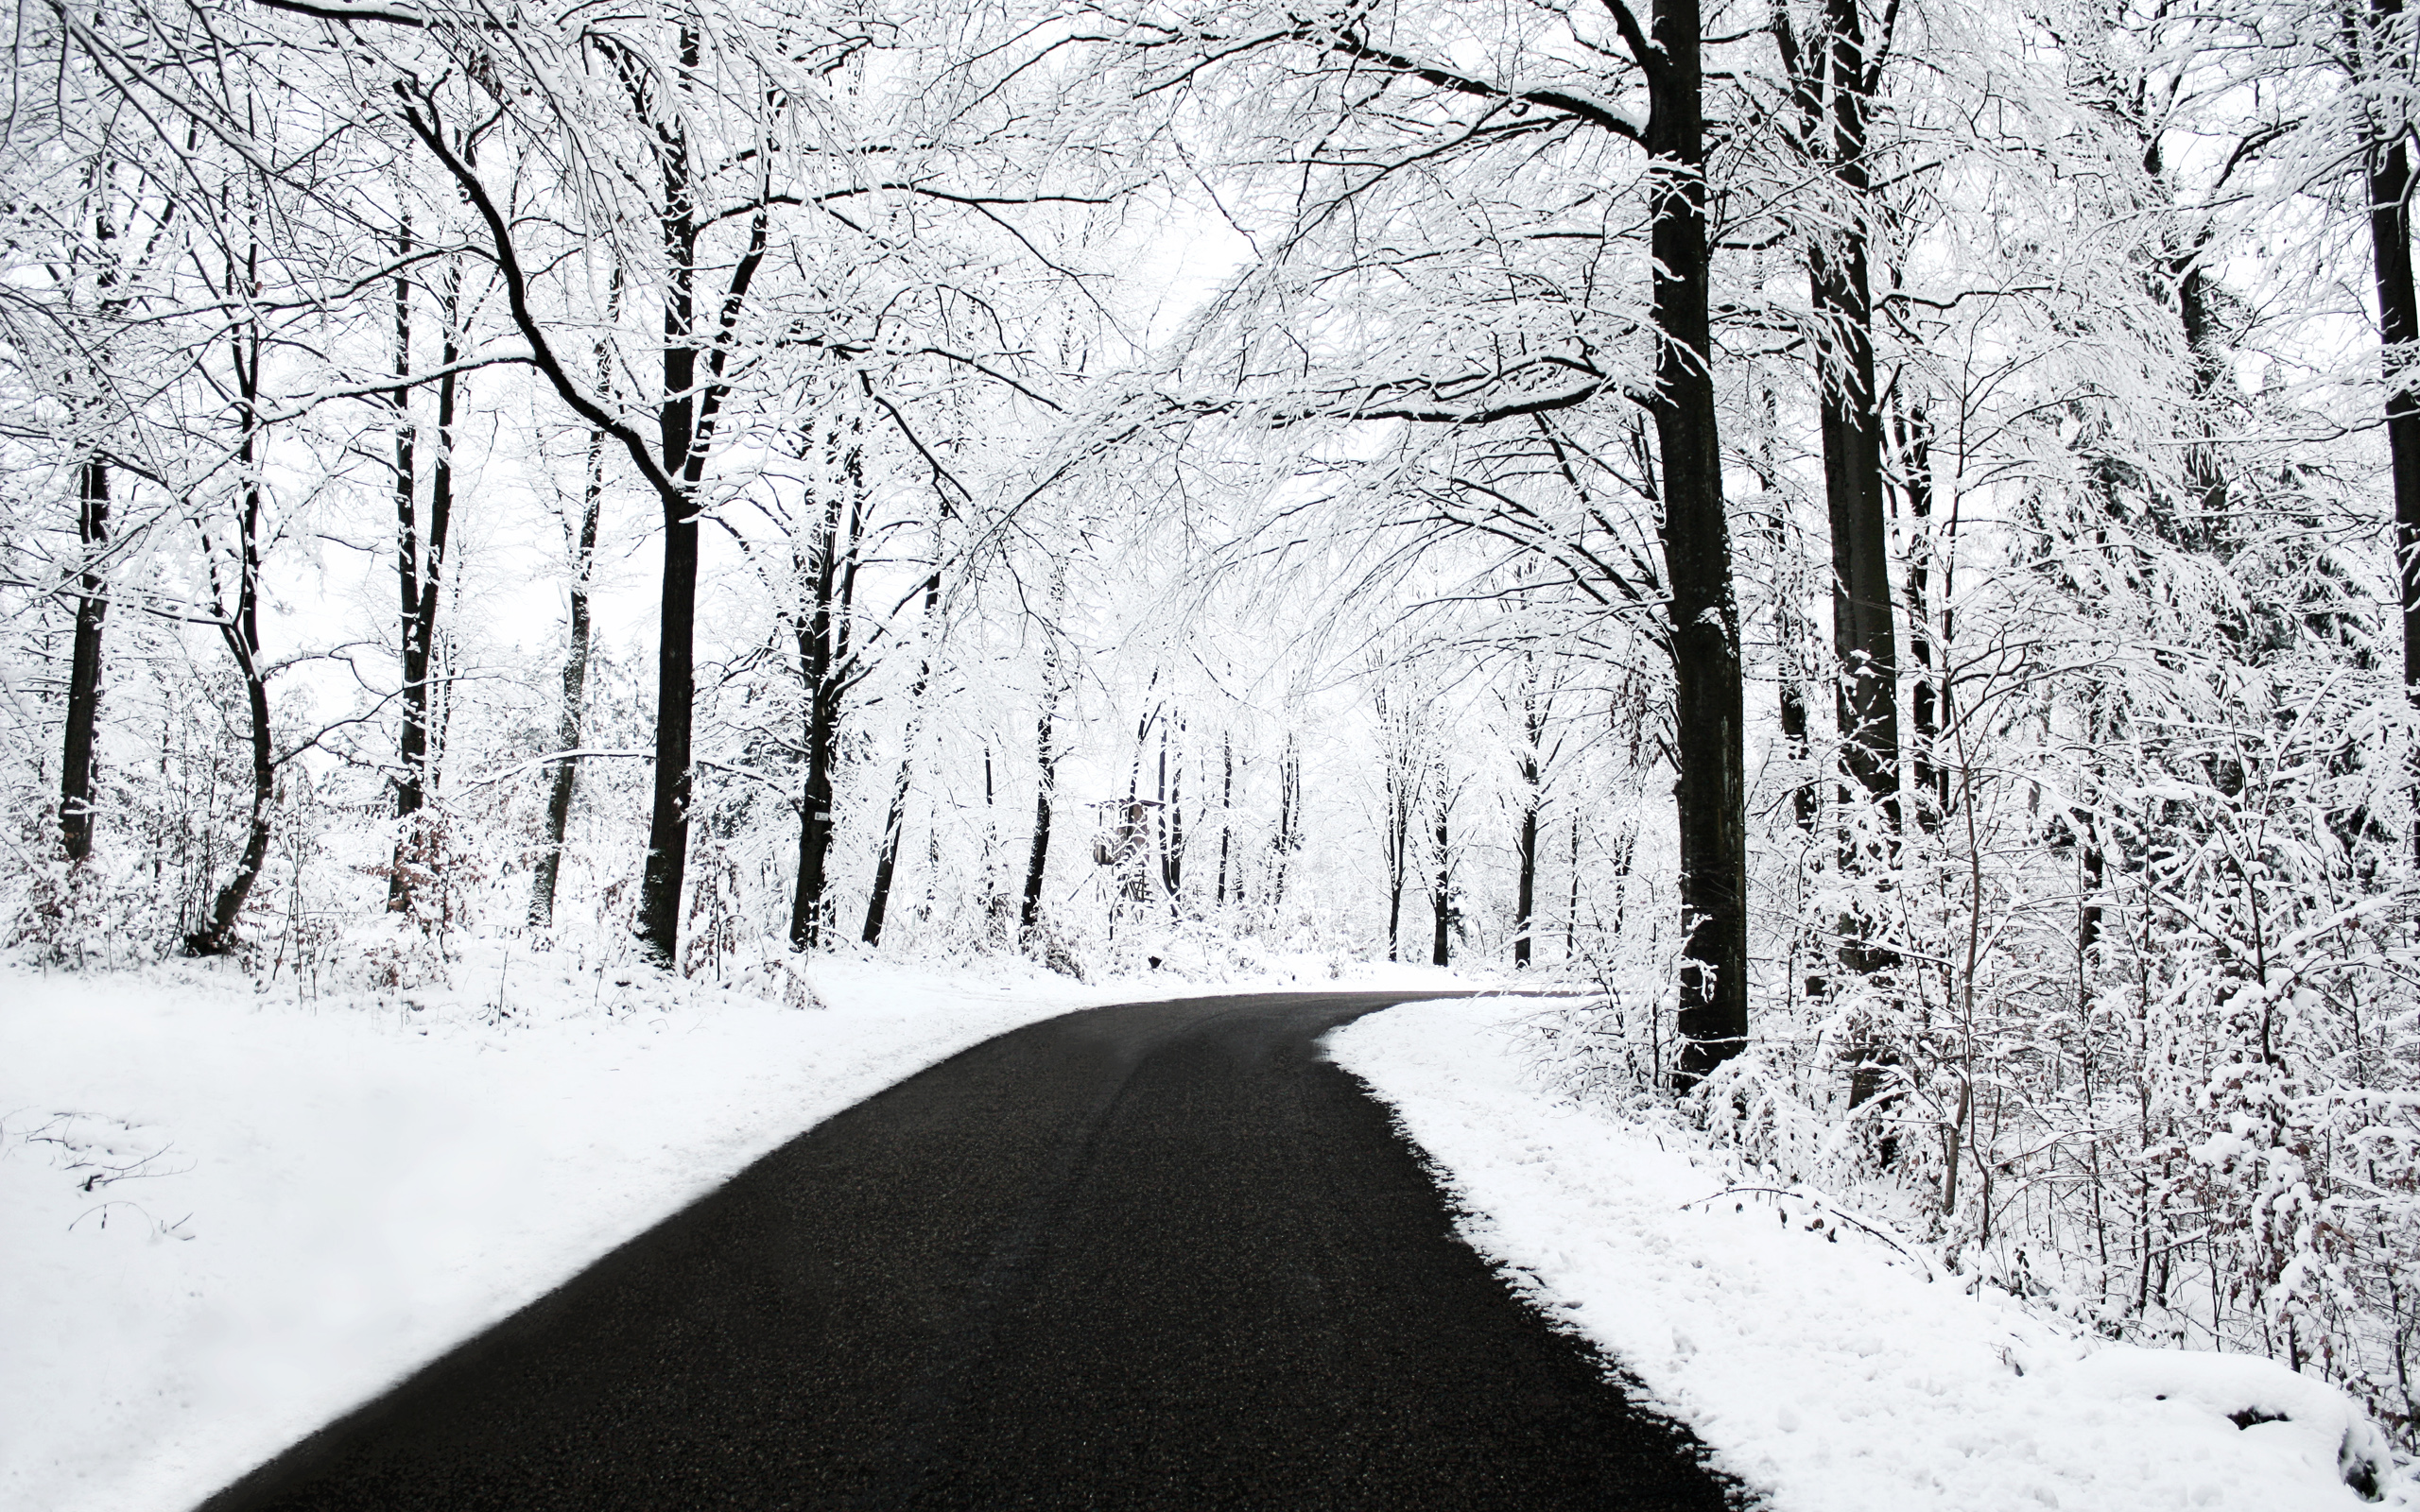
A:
{"x": 1822, "y": 1366}
{"x": 227, "y": 1216}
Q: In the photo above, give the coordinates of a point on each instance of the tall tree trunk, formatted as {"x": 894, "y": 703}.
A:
{"x": 667, "y": 832}
{"x": 84, "y": 670}
{"x": 1047, "y": 760}
{"x": 1440, "y": 896}
{"x": 1525, "y": 843}
{"x": 1290, "y": 819}
{"x": 824, "y": 668}
{"x": 1929, "y": 775}
{"x": 569, "y": 721}
{"x": 1571, "y": 912}
{"x": 420, "y": 571}
{"x": 1226, "y": 808}
{"x": 886, "y": 865}
{"x": 1708, "y": 713}
{"x": 1804, "y": 801}
{"x": 1172, "y": 819}
{"x": 2400, "y": 335}
{"x": 240, "y": 629}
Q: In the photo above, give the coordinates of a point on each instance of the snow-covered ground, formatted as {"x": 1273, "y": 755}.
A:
{"x": 1825, "y": 1368}
{"x": 227, "y": 1215}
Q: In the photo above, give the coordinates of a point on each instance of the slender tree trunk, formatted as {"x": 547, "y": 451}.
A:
{"x": 1571, "y": 914}
{"x": 1525, "y": 846}
{"x": 824, "y": 667}
{"x": 420, "y": 572}
{"x": 84, "y": 671}
{"x": 240, "y": 629}
{"x": 75, "y": 767}
{"x": 1708, "y": 713}
{"x": 1289, "y": 819}
{"x": 1172, "y": 818}
{"x": 1226, "y": 809}
{"x": 1930, "y": 774}
{"x": 568, "y": 723}
{"x": 1440, "y": 897}
{"x": 1804, "y": 801}
{"x": 1047, "y": 760}
{"x": 895, "y": 822}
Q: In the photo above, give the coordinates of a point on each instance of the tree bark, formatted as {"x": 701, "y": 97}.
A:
{"x": 1929, "y": 774}
{"x": 1047, "y": 760}
{"x": 2399, "y": 337}
{"x": 419, "y": 572}
{"x": 240, "y": 630}
{"x": 825, "y": 668}
{"x": 1226, "y": 809}
{"x": 1708, "y": 713}
{"x": 895, "y": 822}
{"x": 1440, "y": 897}
{"x": 567, "y": 727}
{"x": 84, "y": 671}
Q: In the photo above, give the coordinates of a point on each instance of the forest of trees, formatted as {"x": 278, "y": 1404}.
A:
{"x": 1881, "y": 539}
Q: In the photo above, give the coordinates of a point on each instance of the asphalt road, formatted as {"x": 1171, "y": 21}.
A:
{"x": 1159, "y": 1255}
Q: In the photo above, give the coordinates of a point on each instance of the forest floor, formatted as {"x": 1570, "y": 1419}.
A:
{"x": 227, "y": 1212}
{"x": 1834, "y": 1365}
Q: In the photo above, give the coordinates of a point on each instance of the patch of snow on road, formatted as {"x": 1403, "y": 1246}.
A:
{"x": 1825, "y": 1368}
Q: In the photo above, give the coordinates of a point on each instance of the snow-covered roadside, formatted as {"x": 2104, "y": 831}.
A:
{"x": 225, "y": 1217}
{"x": 1823, "y": 1367}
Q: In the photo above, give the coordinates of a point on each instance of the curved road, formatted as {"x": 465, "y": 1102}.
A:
{"x": 1161, "y": 1254}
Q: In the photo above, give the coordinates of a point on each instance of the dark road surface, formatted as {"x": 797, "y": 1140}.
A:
{"x": 1152, "y": 1256}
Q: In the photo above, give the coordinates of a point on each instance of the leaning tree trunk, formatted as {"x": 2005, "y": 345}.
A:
{"x": 1707, "y": 708}
{"x": 84, "y": 670}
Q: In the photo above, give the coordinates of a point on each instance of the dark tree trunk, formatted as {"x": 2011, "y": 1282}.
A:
{"x": 886, "y": 866}
{"x": 1571, "y": 915}
{"x": 1440, "y": 896}
{"x": 568, "y": 723}
{"x": 240, "y": 629}
{"x": 1047, "y": 760}
{"x": 84, "y": 671}
{"x": 1172, "y": 818}
{"x": 1226, "y": 808}
{"x": 1930, "y": 778}
{"x": 1400, "y": 799}
{"x": 1707, "y": 712}
{"x": 1841, "y": 286}
{"x": 419, "y": 572}
{"x": 2399, "y": 335}
{"x": 1805, "y": 802}
{"x": 1525, "y": 844}
{"x": 825, "y": 668}
{"x": 1289, "y": 819}
{"x": 667, "y": 833}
